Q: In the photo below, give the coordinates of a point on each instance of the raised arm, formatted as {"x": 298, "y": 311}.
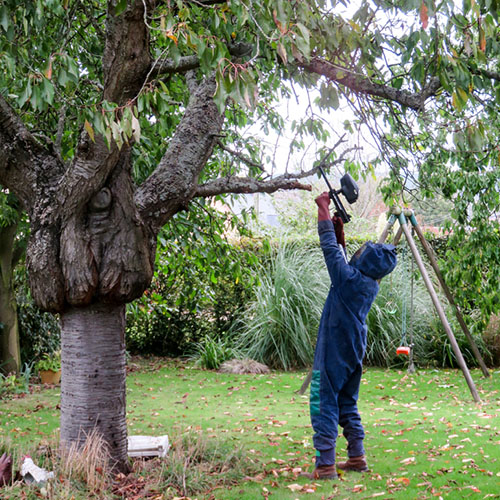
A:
{"x": 336, "y": 264}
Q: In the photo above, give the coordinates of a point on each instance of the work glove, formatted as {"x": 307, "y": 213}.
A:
{"x": 323, "y": 201}
{"x": 338, "y": 225}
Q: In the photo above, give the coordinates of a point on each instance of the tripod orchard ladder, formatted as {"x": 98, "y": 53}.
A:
{"x": 397, "y": 214}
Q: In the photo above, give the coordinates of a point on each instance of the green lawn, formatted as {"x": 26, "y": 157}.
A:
{"x": 425, "y": 438}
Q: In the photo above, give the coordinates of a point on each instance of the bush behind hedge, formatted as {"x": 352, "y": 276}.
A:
{"x": 39, "y": 332}
{"x": 157, "y": 325}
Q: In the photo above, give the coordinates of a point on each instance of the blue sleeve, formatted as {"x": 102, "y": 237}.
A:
{"x": 338, "y": 269}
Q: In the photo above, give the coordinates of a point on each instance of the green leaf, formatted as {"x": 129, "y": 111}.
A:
{"x": 62, "y": 77}
{"x": 174, "y": 53}
{"x": 120, "y": 7}
{"x": 48, "y": 91}
{"x": 36, "y": 101}
{"x": 4, "y": 18}
{"x": 397, "y": 83}
{"x": 303, "y": 40}
{"x": 25, "y": 94}
{"x": 117, "y": 134}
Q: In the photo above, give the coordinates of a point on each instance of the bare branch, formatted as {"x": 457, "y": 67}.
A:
{"x": 361, "y": 84}
{"x": 241, "y": 157}
{"x": 248, "y": 185}
{"x": 233, "y": 184}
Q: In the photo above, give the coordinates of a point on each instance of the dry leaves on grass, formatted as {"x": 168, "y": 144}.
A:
{"x": 302, "y": 488}
{"x": 132, "y": 487}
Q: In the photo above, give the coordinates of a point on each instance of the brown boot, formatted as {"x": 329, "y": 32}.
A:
{"x": 322, "y": 472}
{"x": 357, "y": 464}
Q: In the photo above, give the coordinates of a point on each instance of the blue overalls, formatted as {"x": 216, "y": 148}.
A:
{"x": 341, "y": 342}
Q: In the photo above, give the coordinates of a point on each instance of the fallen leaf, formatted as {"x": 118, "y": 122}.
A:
{"x": 404, "y": 480}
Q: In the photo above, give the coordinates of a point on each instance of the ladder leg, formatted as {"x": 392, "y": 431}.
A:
{"x": 306, "y": 383}
{"x": 440, "y": 310}
{"x": 449, "y": 296}
{"x": 387, "y": 229}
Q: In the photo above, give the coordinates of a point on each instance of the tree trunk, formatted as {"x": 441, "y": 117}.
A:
{"x": 10, "y": 356}
{"x": 100, "y": 256}
{"x": 93, "y": 378}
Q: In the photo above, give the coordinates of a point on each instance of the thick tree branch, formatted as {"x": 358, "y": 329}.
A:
{"x": 168, "y": 66}
{"x": 15, "y": 143}
{"x": 172, "y": 185}
{"x": 248, "y": 185}
{"x": 362, "y": 85}
{"x": 126, "y": 62}
{"x": 233, "y": 184}
{"x": 24, "y": 161}
{"x": 126, "y": 58}
{"x": 88, "y": 171}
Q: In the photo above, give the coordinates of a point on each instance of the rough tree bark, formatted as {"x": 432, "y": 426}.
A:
{"x": 93, "y": 373}
{"x": 10, "y": 356}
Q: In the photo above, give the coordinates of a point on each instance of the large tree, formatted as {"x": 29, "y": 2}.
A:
{"x": 115, "y": 116}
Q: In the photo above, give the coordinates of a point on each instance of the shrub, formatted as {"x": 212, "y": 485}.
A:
{"x": 156, "y": 324}
{"x": 210, "y": 353}
{"x": 279, "y": 325}
{"x": 11, "y": 383}
{"x": 155, "y": 331}
{"x": 39, "y": 331}
{"x": 50, "y": 362}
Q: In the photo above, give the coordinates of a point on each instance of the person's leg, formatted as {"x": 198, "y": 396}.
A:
{"x": 324, "y": 417}
{"x": 324, "y": 420}
{"x": 350, "y": 421}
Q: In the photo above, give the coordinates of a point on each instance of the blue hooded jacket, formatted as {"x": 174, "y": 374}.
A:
{"x": 354, "y": 288}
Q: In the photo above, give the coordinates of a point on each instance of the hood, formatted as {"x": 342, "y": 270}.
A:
{"x": 375, "y": 260}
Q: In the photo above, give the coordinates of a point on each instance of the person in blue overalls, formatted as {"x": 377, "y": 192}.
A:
{"x": 341, "y": 343}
